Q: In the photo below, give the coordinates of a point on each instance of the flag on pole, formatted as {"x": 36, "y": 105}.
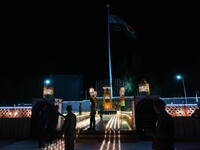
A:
{"x": 118, "y": 24}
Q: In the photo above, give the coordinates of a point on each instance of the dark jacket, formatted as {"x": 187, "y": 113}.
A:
{"x": 69, "y": 125}
{"x": 92, "y": 109}
{"x": 164, "y": 133}
{"x": 43, "y": 117}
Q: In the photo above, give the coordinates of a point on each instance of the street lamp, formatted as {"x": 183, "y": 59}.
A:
{"x": 48, "y": 90}
{"x": 179, "y": 77}
{"x": 46, "y": 82}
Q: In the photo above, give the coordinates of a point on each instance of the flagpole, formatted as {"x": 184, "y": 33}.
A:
{"x": 109, "y": 52}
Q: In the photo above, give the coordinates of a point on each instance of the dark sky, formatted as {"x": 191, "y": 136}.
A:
{"x": 71, "y": 38}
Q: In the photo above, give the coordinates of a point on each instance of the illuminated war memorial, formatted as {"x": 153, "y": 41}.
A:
{"x": 125, "y": 118}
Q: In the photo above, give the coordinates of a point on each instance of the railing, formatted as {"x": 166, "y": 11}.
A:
{"x": 181, "y": 109}
{"x": 15, "y": 112}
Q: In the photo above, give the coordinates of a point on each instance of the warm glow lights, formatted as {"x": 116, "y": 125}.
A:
{"x": 119, "y": 142}
{"x": 144, "y": 88}
{"x": 104, "y": 140}
{"x": 15, "y": 112}
{"x": 86, "y": 123}
{"x": 91, "y": 91}
{"x": 95, "y": 93}
{"x": 112, "y": 125}
{"x": 181, "y": 109}
{"x": 60, "y": 144}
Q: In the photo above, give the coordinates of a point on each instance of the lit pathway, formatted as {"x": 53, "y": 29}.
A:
{"x": 110, "y": 124}
{"x": 114, "y": 143}
{"x": 123, "y": 125}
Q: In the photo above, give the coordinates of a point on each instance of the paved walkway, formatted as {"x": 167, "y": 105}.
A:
{"x": 32, "y": 145}
{"x": 142, "y": 145}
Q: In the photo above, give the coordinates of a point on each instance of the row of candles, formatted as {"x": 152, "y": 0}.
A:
{"x": 113, "y": 124}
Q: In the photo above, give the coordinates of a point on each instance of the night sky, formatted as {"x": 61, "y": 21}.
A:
{"x": 71, "y": 38}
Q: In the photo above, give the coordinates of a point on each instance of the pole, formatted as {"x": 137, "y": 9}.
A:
{"x": 109, "y": 52}
{"x": 184, "y": 90}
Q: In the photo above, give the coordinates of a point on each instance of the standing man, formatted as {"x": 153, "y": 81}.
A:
{"x": 69, "y": 129}
{"x": 92, "y": 114}
{"x": 80, "y": 109}
{"x": 101, "y": 111}
{"x": 164, "y": 131}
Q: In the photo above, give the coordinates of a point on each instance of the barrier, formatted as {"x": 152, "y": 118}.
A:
{"x": 15, "y": 127}
{"x": 181, "y": 109}
{"x": 186, "y": 129}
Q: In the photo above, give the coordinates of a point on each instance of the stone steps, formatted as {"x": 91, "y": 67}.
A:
{"x": 99, "y": 136}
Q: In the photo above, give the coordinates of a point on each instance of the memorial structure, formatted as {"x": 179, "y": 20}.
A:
{"x": 107, "y": 99}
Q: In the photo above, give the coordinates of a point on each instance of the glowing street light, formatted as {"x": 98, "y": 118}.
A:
{"x": 179, "y": 77}
{"x": 47, "y": 81}
{"x": 48, "y": 89}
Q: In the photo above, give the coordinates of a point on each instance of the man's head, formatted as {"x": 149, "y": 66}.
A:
{"x": 69, "y": 108}
{"x": 159, "y": 106}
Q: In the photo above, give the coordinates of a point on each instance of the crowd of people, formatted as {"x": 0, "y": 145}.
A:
{"x": 48, "y": 120}
{"x": 162, "y": 135}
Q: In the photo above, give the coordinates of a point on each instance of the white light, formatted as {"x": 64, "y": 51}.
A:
{"x": 178, "y": 77}
{"x": 47, "y": 81}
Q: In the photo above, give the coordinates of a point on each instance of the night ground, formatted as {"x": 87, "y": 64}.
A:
{"x": 71, "y": 38}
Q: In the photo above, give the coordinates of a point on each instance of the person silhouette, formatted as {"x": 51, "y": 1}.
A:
{"x": 80, "y": 109}
{"x": 92, "y": 114}
{"x": 101, "y": 111}
{"x": 69, "y": 129}
{"x": 164, "y": 130}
